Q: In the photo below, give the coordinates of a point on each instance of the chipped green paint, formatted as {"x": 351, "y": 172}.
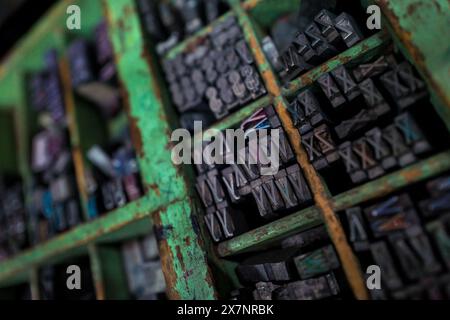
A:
{"x": 420, "y": 28}
{"x": 184, "y": 263}
{"x": 422, "y": 170}
{"x": 144, "y": 103}
{"x": 271, "y": 232}
{"x": 186, "y": 270}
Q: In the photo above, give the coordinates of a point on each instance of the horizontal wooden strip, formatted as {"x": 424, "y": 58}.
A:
{"x": 378, "y": 188}
{"x": 77, "y": 237}
{"x": 271, "y": 232}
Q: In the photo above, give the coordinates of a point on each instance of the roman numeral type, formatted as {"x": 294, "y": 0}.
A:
{"x": 416, "y": 86}
{"x": 213, "y": 224}
{"x": 249, "y": 164}
{"x": 285, "y": 188}
{"x": 346, "y": 83}
{"x": 225, "y": 219}
{"x": 356, "y": 123}
{"x": 396, "y": 89}
{"x": 298, "y": 183}
{"x": 331, "y": 90}
{"x": 213, "y": 181}
{"x": 352, "y": 165}
{"x": 381, "y": 151}
{"x": 398, "y": 146}
{"x": 362, "y": 149}
{"x": 204, "y": 191}
{"x": 262, "y": 202}
{"x": 306, "y": 111}
{"x": 272, "y": 194}
{"x": 371, "y": 69}
{"x": 373, "y": 98}
{"x": 231, "y": 182}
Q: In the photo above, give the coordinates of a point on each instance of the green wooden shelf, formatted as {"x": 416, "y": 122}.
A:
{"x": 271, "y": 232}
{"x": 111, "y": 227}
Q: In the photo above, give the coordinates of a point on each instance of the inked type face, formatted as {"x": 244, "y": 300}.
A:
{"x": 252, "y": 147}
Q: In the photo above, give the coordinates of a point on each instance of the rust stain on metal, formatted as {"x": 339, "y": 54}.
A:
{"x": 154, "y": 187}
{"x": 180, "y": 257}
{"x": 79, "y": 171}
{"x": 99, "y": 290}
{"x": 167, "y": 260}
{"x": 145, "y": 54}
{"x": 187, "y": 241}
{"x": 194, "y": 43}
{"x": 418, "y": 57}
{"x": 269, "y": 77}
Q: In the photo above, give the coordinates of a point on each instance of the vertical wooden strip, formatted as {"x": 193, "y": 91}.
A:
{"x": 183, "y": 254}
{"x": 34, "y": 284}
{"x": 74, "y": 134}
{"x": 96, "y": 270}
